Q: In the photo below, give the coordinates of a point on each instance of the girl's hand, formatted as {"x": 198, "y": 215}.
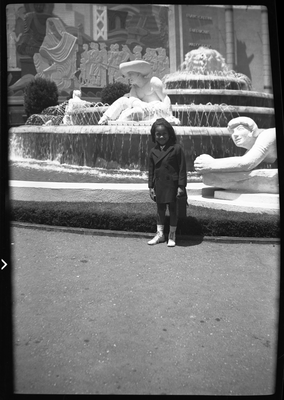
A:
{"x": 181, "y": 191}
{"x": 152, "y": 194}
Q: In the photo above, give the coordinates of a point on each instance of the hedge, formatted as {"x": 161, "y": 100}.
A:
{"x": 200, "y": 221}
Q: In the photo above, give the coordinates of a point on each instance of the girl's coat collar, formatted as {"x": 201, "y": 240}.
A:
{"x": 160, "y": 154}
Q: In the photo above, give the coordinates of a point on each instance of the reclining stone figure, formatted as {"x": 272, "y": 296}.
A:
{"x": 240, "y": 172}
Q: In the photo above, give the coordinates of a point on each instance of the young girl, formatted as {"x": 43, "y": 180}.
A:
{"x": 167, "y": 177}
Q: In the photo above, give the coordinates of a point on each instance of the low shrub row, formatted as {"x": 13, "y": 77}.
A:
{"x": 200, "y": 221}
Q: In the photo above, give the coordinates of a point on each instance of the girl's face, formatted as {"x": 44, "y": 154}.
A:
{"x": 161, "y": 135}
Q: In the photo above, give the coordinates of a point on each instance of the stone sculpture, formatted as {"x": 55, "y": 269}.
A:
{"x": 205, "y": 68}
{"x": 146, "y": 100}
{"x": 239, "y": 172}
{"x": 75, "y": 105}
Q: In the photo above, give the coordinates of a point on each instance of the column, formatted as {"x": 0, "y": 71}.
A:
{"x": 180, "y": 24}
{"x": 175, "y": 37}
{"x": 172, "y": 39}
{"x": 230, "y": 40}
{"x": 267, "y": 84}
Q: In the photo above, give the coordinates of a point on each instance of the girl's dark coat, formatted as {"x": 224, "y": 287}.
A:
{"x": 167, "y": 171}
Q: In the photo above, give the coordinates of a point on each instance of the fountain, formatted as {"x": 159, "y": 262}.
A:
{"x": 204, "y": 94}
{"x": 210, "y": 93}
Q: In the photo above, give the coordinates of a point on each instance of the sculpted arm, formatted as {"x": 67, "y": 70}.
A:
{"x": 158, "y": 87}
{"x": 205, "y": 163}
{"x": 251, "y": 159}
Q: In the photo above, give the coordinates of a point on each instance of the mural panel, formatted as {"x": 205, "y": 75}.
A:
{"x": 41, "y": 43}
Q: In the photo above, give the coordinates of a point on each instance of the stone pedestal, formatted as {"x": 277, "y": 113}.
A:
{"x": 256, "y": 181}
{"x": 270, "y": 199}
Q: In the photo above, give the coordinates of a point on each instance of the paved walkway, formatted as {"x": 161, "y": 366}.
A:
{"x": 112, "y": 315}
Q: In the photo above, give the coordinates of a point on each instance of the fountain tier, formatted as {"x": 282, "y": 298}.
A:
{"x": 126, "y": 145}
{"x": 113, "y": 146}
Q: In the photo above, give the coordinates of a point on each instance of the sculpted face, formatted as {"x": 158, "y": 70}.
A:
{"x": 133, "y": 77}
{"x": 242, "y": 137}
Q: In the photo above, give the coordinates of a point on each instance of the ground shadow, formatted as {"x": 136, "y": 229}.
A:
{"x": 189, "y": 231}
{"x": 188, "y": 241}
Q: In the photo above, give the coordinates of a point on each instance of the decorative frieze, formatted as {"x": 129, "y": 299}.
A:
{"x": 100, "y": 66}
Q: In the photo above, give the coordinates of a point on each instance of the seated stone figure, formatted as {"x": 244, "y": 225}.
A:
{"x": 146, "y": 100}
{"x": 240, "y": 173}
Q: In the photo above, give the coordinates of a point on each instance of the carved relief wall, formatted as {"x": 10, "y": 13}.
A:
{"x": 82, "y": 45}
{"x": 100, "y": 66}
{"x": 88, "y": 55}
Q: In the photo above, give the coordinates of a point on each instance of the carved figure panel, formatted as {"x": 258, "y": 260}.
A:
{"x": 57, "y": 55}
{"x": 99, "y": 66}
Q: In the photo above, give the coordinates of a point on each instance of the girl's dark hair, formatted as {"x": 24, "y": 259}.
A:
{"x": 168, "y": 127}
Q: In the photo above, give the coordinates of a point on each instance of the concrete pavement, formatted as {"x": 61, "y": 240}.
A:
{"x": 111, "y": 315}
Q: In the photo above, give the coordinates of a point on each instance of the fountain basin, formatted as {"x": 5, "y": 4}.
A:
{"x": 112, "y": 146}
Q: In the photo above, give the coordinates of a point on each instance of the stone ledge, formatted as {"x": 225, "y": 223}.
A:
{"x": 134, "y": 193}
{"x": 237, "y": 206}
{"x": 115, "y": 129}
{"x": 95, "y": 192}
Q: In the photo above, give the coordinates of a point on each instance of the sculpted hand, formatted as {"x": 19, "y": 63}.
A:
{"x": 104, "y": 120}
{"x": 203, "y": 163}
